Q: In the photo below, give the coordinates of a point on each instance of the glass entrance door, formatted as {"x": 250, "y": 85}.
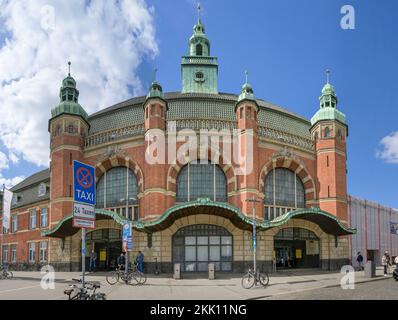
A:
{"x": 198, "y": 245}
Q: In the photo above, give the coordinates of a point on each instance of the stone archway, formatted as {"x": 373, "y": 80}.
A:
{"x": 120, "y": 161}
{"x": 287, "y": 161}
{"x": 228, "y": 170}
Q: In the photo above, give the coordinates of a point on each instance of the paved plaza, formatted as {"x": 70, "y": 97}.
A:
{"x": 283, "y": 285}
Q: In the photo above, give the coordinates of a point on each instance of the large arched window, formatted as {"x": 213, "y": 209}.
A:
{"x": 201, "y": 180}
{"x": 117, "y": 190}
{"x": 283, "y": 191}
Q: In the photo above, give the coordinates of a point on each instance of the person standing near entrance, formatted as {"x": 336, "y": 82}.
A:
{"x": 359, "y": 261}
{"x": 140, "y": 260}
{"x": 93, "y": 261}
{"x": 384, "y": 262}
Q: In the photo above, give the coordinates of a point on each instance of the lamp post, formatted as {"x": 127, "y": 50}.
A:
{"x": 254, "y": 201}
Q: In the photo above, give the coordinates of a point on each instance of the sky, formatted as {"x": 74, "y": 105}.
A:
{"x": 286, "y": 45}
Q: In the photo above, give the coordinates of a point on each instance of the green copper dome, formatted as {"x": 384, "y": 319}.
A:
{"x": 246, "y": 93}
{"x": 155, "y": 91}
{"x": 328, "y": 105}
{"x": 328, "y": 113}
{"x": 69, "y": 102}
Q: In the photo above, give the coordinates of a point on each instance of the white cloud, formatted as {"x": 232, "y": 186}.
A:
{"x": 389, "y": 152}
{"x": 9, "y": 183}
{"x": 3, "y": 161}
{"x": 106, "y": 41}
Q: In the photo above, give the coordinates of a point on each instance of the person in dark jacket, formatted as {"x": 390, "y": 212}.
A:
{"x": 121, "y": 261}
{"x": 359, "y": 261}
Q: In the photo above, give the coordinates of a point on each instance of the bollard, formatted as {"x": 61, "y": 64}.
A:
{"x": 370, "y": 269}
{"x": 177, "y": 271}
{"x": 211, "y": 271}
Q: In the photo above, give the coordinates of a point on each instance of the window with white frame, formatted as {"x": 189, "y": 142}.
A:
{"x": 284, "y": 192}
{"x": 42, "y": 189}
{"x": 32, "y": 219}
{"x": 14, "y": 223}
{"x": 44, "y": 217}
{"x": 13, "y": 253}
{"x": 32, "y": 252}
{"x": 43, "y": 251}
{"x": 5, "y": 253}
{"x": 201, "y": 180}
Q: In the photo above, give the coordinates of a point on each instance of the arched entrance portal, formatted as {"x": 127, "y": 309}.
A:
{"x": 107, "y": 243}
{"x": 195, "y": 246}
{"x": 296, "y": 248}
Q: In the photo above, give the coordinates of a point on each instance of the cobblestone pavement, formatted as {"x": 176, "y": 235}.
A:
{"x": 282, "y": 285}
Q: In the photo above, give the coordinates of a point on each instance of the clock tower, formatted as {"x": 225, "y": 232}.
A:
{"x": 199, "y": 69}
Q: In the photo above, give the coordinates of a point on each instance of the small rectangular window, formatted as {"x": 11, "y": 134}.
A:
{"x": 327, "y": 161}
{"x": 32, "y": 219}
{"x": 32, "y": 252}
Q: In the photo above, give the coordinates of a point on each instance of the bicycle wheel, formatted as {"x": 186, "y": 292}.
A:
{"x": 9, "y": 275}
{"x": 134, "y": 278}
{"x": 264, "y": 279}
{"x": 112, "y": 277}
{"x": 248, "y": 280}
{"x": 143, "y": 278}
{"x": 99, "y": 296}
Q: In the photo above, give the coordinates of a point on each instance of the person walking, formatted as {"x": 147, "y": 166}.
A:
{"x": 384, "y": 262}
{"x": 93, "y": 261}
{"x": 140, "y": 260}
{"x": 121, "y": 261}
{"x": 359, "y": 260}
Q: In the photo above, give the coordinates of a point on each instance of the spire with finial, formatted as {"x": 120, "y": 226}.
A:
{"x": 156, "y": 89}
{"x": 247, "y": 90}
{"x": 199, "y": 8}
{"x": 328, "y": 104}
{"x": 69, "y": 98}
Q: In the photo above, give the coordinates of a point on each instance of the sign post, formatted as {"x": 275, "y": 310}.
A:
{"x": 254, "y": 201}
{"x": 127, "y": 242}
{"x": 83, "y": 203}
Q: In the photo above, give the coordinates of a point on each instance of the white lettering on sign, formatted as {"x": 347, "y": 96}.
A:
{"x": 85, "y": 195}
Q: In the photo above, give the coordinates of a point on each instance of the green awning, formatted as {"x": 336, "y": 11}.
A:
{"x": 326, "y": 221}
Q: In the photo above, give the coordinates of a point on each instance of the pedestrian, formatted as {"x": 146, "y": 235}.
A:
{"x": 93, "y": 261}
{"x": 140, "y": 260}
{"x": 359, "y": 260}
{"x": 384, "y": 262}
{"x": 121, "y": 261}
{"x": 396, "y": 261}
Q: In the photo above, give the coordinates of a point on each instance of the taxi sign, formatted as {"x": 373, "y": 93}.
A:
{"x": 83, "y": 183}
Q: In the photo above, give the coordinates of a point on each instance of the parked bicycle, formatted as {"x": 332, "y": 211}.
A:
{"x": 252, "y": 278}
{"x": 142, "y": 275}
{"x": 119, "y": 275}
{"x": 5, "y": 273}
{"x": 86, "y": 292}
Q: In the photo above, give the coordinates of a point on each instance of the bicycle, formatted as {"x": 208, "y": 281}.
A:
{"x": 5, "y": 273}
{"x": 142, "y": 275}
{"x": 250, "y": 279}
{"x": 86, "y": 292}
{"x": 120, "y": 275}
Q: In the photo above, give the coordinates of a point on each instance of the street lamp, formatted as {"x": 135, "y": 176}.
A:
{"x": 254, "y": 201}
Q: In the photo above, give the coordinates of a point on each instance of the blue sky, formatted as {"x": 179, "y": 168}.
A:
{"x": 287, "y": 45}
